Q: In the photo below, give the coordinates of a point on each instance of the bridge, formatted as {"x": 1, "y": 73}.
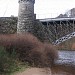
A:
{"x": 60, "y": 29}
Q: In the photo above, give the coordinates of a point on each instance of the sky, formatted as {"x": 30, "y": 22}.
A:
{"x": 42, "y": 9}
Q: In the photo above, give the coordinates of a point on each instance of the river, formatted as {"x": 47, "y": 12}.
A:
{"x": 66, "y": 58}
{"x": 65, "y": 65}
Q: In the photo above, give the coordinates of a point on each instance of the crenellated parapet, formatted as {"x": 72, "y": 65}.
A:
{"x": 33, "y": 1}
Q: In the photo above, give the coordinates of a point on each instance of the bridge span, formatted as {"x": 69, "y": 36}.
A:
{"x": 59, "y": 27}
{"x": 57, "y": 19}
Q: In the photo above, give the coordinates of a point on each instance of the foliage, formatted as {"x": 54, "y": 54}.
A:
{"x": 8, "y": 62}
{"x": 29, "y": 49}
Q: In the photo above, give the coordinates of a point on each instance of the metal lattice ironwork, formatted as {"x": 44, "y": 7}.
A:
{"x": 59, "y": 27}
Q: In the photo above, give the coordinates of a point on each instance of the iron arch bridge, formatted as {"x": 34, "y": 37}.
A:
{"x": 60, "y": 29}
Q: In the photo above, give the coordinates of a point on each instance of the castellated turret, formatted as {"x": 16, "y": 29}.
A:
{"x": 25, "y": 16}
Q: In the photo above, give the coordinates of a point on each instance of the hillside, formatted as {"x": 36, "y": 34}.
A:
{"x": 69, "y": 13}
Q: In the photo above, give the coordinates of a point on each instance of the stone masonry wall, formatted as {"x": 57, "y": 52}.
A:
{"x": 25, "y": 16}
{"x": 8, "y": 25}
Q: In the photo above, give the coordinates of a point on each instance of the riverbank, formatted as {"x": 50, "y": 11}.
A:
{"x": 56, "y": 70}
{"x": 35, "y": 71}
{"x": 67, "y": 45}
{"x": 64, "y": 66}
{"x": 63, "y": 70}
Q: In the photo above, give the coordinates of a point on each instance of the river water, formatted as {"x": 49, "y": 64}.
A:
{"x": 66, "y": 58}
{"x": 65, "y": 65}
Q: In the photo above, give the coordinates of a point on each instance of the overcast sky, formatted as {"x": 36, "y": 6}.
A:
{"x": 43, "y": 8}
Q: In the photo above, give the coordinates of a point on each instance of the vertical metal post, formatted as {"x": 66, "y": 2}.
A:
{"x": 73, "y": 25}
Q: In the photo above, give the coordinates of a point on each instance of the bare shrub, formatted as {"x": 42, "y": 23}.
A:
{"x": 51, "y": 54}
{"x": 29, "y": 49}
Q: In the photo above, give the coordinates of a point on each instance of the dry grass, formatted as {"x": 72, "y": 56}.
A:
{"x": 29, "y": 49}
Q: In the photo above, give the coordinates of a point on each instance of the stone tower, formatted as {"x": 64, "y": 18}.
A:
{"x": 26, "y": 16}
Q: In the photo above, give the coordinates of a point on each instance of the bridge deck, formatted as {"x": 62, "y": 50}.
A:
{"x": 56, "y": 19}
